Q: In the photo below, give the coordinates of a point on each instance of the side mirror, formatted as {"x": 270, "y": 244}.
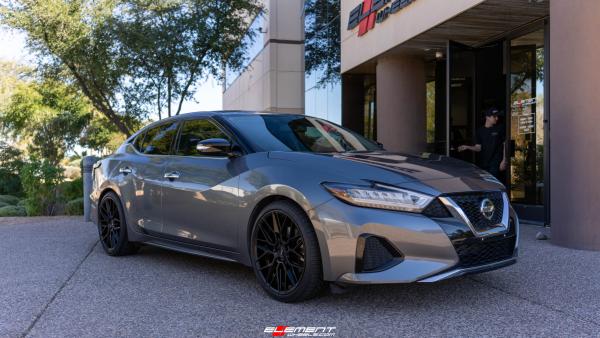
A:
{"x": 217, "y": 147}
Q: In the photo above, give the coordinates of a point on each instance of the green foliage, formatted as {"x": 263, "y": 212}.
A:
{"x": 74, "y": 207}
{"x": 49, "y": 113}
{"x": 12, "y": 211}
{"x": 10, "y": 183}
{"x": 133, "y": 57}
{"x": 10, "y": 166}
{"x": 10, "y": 75}
{"x": 8, "y": 199}
{"x": 40, "y": 180}
{"x": 101, "y": 135}
{"x": 3, "y": 204}
{"x": 70, "y": 190}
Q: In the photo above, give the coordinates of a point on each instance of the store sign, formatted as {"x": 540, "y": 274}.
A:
{"x": 370, "y": 12}
{"x": 526, "y": 124}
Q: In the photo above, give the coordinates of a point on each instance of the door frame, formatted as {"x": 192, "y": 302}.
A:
{"x": 533, "y": 213}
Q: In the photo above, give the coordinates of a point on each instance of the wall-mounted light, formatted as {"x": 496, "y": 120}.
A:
{"x": 439, "y": 55}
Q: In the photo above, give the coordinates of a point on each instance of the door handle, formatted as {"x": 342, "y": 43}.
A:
{"x": 125, "y": 170}
{"x": 173, "y": 175}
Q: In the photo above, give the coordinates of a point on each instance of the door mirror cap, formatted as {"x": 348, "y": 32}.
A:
{"x": 217, "y": 147}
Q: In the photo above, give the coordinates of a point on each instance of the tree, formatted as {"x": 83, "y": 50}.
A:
{"x": 322, "y": 34}
{"x": 11, "y": 163}
{"x": 128, "y": 56}
{"x": 51, "y": 115}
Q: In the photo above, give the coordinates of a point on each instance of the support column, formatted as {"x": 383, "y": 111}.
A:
{"x": 353, "y": 100}
{"x": 88, "y": 167}
{"x": 574, "y": 122}
{"x": 401, "y": 105}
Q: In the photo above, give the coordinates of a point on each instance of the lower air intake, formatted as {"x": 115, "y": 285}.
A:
{"x": 375, "y": 253}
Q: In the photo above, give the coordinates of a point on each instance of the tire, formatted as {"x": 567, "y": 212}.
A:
{"x": 277, "y": 255}
{"x": 112, "y": 227}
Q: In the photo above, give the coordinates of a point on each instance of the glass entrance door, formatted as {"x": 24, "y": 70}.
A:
{"x": 460, "y": 118}
{"x": 526, "y": 93}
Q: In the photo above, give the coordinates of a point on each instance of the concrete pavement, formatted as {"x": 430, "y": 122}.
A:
{"x": 55, "y": 280}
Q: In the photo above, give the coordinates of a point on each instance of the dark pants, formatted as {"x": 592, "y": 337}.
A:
{"x": 493, "y": 168}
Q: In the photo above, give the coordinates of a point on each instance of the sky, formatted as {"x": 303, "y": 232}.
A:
{"x": 208, "y": 97}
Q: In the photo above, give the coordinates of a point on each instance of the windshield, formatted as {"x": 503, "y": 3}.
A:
{"x": 297, "y": 133}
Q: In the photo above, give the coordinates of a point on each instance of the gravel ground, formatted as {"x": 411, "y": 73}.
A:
{"x": 56, "y": 281}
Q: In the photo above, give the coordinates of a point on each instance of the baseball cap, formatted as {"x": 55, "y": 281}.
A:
{"x": 493, "y": 111}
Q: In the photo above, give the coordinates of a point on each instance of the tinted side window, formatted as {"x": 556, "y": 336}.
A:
{"x": 195, "y": 131}
{"x": 137, "y": 143}
{"x": 158, "y": 139}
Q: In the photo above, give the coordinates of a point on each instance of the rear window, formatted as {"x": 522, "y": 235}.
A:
{"x": 158, "y": 140}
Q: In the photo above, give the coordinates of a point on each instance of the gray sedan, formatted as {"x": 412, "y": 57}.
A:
{"x": 302, "y": 201}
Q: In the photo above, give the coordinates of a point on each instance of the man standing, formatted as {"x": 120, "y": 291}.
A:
{"x": 490, "y": 143}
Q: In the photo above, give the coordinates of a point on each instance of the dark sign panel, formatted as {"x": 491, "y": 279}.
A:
{"x": 370, "y": 12}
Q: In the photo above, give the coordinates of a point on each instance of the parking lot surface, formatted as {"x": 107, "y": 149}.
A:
{"x": 55, "y": 280}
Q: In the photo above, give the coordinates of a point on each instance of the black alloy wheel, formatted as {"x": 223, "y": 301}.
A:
{"x": 287, "y": 265}
{"x": 112, "y": 227}
{"x": 110, "y": 224}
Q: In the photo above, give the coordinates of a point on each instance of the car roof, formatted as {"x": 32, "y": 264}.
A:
{"x": 212, "y": 113}
{"x": 225, "y": 113}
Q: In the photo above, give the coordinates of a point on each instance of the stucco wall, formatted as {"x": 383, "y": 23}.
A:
{"x": 574, "y": 121}
{"x": 416, "y": 18}
{"x": 274, "y": 81}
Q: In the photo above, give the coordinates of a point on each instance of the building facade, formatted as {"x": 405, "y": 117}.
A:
{"x": 416, "y": 75}
{"x": 273, "y": 76}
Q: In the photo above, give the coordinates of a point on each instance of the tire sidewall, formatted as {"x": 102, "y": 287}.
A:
{"x": 122, "y": 234}
{"x": 311, "y": 250}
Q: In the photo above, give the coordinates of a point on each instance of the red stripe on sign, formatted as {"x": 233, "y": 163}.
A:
{"x": 368, "y": 22}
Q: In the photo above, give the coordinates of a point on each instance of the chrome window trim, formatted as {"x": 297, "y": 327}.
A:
{"x": 457, "y": 212}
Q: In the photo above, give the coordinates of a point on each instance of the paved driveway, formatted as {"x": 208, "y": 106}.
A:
{"x": 55, "y": 280}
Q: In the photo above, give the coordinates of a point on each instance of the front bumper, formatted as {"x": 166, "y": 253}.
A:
{"x": 426, "y": 245}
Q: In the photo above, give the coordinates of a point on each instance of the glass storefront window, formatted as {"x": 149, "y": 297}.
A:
{"x": 527, "y": 118}
{"x": 323, "y": 92}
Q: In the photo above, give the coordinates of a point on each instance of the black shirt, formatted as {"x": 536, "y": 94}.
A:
{"x": 491, "y": 140}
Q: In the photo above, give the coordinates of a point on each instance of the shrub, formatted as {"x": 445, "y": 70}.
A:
{"x": 10, "y": 183}
{"x": 40, "y": 181}
{"x": 22, "y": 202}
{"x": 2, "y": 204}
{"x": 12, "y": 210}
{"x": 71, "y": 190}
{"x": 74, "y": 207}
{"x": 10, "y": 167}
{"x": 8, "y": 199}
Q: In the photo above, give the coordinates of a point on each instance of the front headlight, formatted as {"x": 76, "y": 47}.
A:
{"x": 380, "y": 196}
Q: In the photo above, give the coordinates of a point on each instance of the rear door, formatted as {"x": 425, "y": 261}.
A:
{"x": 201, "y": 199}
{"x": 146, "y": 170}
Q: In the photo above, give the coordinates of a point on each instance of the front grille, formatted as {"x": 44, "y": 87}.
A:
{"x": 374, "y": 253}
{"x": 476, "y": 251}
{"x": 470, "y": 203}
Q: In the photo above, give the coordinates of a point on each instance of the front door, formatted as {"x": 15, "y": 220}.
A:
{"x": 526, "y": 88}
{"x": 461, "y": 67}
{"x": 200, "y": 199}
{"x": 476, "y": 82}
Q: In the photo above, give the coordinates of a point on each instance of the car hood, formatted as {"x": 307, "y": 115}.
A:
{"x": 440, "y": 172}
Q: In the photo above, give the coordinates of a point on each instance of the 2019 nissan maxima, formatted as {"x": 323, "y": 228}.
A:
{"x": 302, "y": 201}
